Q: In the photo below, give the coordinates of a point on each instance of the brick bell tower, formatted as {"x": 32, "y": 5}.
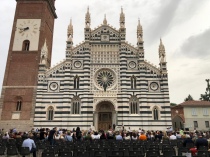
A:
{"x": 32, "y": 28}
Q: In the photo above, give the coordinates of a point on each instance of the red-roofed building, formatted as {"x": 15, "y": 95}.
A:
{"x": 191, "y": 114}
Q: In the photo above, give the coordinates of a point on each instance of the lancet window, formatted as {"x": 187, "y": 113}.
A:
{"x": 155, "y": 113}
{"x": 18, "y": 105}
{"x": 26, "y": 45}
{"x": 134, "y": 109}
{"x": 133, "y": 82}
{"x": 76, "y": 105}
{"x": 50, "y": 113}
{"x": 76, "y": 82}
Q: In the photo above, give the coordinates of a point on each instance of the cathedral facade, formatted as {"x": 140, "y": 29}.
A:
{"x": 104, "y": 81}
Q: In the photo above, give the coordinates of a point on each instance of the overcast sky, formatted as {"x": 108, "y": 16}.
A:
{"x": 183, "y": 25}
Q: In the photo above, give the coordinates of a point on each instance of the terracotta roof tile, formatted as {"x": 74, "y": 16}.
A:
{"x": 195, "y": 103}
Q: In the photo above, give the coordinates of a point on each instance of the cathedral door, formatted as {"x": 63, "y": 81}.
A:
{"x": 104, "y": 116}
{"x": 104, "y": 120}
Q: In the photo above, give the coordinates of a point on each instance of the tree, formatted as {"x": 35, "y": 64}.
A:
{"x": 189, "y": 98}
{"x": 206, "y": 96}
{"x": 173, "y": 104}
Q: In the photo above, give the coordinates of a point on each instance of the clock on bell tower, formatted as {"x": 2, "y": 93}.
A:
{"x": 33, "y": 26}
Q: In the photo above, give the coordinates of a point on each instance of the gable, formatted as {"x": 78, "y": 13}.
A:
{"x": 105, "y": 33}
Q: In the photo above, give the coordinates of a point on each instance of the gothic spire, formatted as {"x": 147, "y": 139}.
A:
{"x": 87, "y": 18}
{"x": 44, "y": 53}
{"x": 69, "y": 42}
{"x": 44, "y": 49}
{"x": 122, "y": 19}
{"x": 162, "y": 54}
{"x": 70, "y": 31}
{"x": 105, "y": 21}
{"x": 139, "y": 32}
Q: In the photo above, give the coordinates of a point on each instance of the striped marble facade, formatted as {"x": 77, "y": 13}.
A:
{"x": 104, "y": 74}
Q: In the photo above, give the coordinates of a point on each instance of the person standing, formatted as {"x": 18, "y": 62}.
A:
{"x": 68, "y": 137}
{"x": 201, "y": 141}
{"x": 29, "y": 142}
{"x": 172, "y": 137}
{"x": 43, "y": 134}
{"x": 143, "y": 137}
{"x": 78, "y": 134}
{"x": 114, "y": 126}
{"x": 123, "y": 127}
{"x": 118, "y": 136}
{"x": 51, "y": 136}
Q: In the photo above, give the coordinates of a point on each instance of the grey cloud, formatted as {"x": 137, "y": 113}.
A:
{"x": 197, "y": 45}
{"x": 169, "y": 14}
{"x": 164, "y": 15}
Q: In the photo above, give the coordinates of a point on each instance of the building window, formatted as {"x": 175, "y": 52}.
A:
{"x": 133, "y": 82}
{"x": 50, "y": 113}
{"x": 205, "y": 111}
{"x": 76, "y": 82}
{"x": 195, "y": 124}
{"x": 134, "y": 105}
{"x": 155, "y": 113}
{"x": 207, "y": 124}
{"x": 194, "y": 113}
{"x": 26, "y": 45}
{"x": 76, "y": 105}
{"x": 18, "y": 106}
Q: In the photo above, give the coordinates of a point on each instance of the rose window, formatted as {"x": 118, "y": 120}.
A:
{"x": 105, "y": 79}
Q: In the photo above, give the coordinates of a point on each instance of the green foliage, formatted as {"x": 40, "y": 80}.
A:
{"x": 206, "y": 96}
{"x": 173, "y": 104}
{"x": 189, "y": 98}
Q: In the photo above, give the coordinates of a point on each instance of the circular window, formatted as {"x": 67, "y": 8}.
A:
{"x": 154, "y": 86}
{"x": 105, "y": 79}
{"x": 53, "y": 86}
{"x": 132, "y": 64}
{"x": 77, "y": 64}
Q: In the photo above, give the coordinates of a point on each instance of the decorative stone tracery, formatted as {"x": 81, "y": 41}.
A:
{"x": 105, "y": 79}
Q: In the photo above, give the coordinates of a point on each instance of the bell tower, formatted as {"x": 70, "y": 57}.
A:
{"x": 32, "y": 29}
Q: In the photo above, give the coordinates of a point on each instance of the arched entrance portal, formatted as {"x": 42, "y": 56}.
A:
{"x": 105, "y": 115}
{"x": 178, "y": 122}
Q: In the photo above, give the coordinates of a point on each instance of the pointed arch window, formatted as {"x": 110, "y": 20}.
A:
{"x": 76, "y": 82}
{"x": 155, "y": 113}
{"x": 50, "y": 113}
{"x": 134, "y": 105}
{"x": 18, "y": 105}
{"x": 133, "y": 82}
{"x": 26, "y": 45}
{"x": 76, "y": 106}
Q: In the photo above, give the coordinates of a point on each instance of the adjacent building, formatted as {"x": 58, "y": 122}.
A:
{"x": 191, "y": 115}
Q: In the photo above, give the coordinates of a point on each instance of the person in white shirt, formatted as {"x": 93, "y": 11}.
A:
{"x": 172, "y": 137}
{"x": 178, "y": 135}
{"x": 30, "y": 144}
{"x": 57, "y": 136}
{"x": 129, "y": 130}
{"x": 127, "y": 137}
{"x": 134, "y": 136}
{"x": 95, "y": 136}
{"x": 140, "y": 131}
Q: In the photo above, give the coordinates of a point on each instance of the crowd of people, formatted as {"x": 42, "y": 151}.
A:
{"x": 52, "y": 135}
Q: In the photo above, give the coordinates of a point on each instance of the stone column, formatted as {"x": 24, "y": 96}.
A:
{"x": 114, "y": 117}
{"x": 96, "y": 120}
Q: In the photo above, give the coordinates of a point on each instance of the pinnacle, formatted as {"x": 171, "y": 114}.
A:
{"x": 105, "y": 21}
